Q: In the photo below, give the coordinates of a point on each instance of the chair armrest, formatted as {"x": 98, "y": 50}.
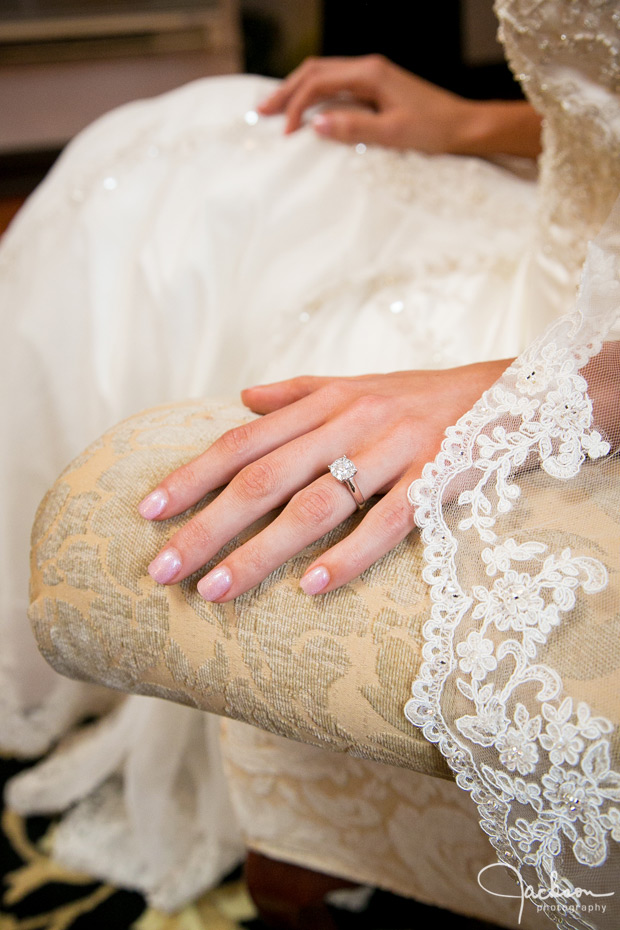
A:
{"x": 333, "y": 670}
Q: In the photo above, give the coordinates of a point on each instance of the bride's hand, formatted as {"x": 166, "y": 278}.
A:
{"x": 389, "y": 425}
{"x": 402, "y": 111}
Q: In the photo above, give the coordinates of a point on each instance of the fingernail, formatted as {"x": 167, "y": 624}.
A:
{"x": 215, "y": 584}
{"x": 313, "y": 582}
{"x": 165, "y": 566}
{"x": 153, "y": 505}
{"x": 322, "y": 123}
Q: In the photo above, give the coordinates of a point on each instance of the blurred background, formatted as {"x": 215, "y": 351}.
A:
{"x": 65, "y": 62}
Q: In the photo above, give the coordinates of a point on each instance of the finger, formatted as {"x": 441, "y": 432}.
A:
{"x": 277, "y": 100}
{"x": 257, "y": 490}
{"x": 236, "y": 449}
{"x": 274, "y": 102}
{"x": 265, "y": 398}
{"x": 318, "y": 88}
{"x": 356, "y": 125}
{"x": 262, "y": 487}
{"x": 381, "y": 530}
{"x": 383, "y": 527}
{"x": 311, "y": 513}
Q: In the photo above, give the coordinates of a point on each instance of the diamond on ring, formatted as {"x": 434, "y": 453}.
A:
{"x": 343, "y": 470}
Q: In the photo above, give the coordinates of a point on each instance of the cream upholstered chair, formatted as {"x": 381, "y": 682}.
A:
{"x": 334, "y": 671}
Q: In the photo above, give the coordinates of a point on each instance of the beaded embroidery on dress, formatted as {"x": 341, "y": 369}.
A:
{"x": 566, "y": 56}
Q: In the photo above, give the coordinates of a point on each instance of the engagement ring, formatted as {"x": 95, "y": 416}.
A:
{"x": 343, "y": 470}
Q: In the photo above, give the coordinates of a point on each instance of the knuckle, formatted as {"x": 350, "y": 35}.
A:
{"x": 336, "y": 391}
{"x": 392, "y": 131}
{"x": 313, "y": 85}
{"x": 235, "y": 442}
{"x": 304, "y": 383}
{"x": 184, "y": 480}
{"x": 368, "y": 405}
{"x": 256, "y": 481}
{"x": 315, "y": 67}
{"x": 357, "y": 560}
{"x": 406, "y": 430}
{"x": 332, "y": 395}
{"x": 395, "y": 518}
{"x": 314, "y": 506}
{"x": 347, "y": 128}
{"x": 194, "y": 537}
{"x": 376, "y": 63}
{"x": 255, "y": 561}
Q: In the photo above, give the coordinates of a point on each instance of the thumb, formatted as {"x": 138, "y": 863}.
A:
{"x": 265, "y": 398}
{"x": 353, "y": 126}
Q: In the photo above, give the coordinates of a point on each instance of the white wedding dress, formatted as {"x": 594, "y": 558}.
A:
{"x": 183, "y": 247}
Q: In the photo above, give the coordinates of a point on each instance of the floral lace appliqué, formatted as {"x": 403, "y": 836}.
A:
{"x": 537, "y": 762}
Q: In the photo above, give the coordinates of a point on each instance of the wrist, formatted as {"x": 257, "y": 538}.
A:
{"x": 497, "y": 127}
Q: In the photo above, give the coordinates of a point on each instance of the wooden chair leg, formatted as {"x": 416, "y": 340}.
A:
{"x": 289, "y": 897}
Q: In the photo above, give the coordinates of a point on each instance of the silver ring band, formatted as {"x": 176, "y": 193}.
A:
{"x": 343, "y": 470}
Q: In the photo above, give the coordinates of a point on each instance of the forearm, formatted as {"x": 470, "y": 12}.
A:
{"x": 498, "y": 127}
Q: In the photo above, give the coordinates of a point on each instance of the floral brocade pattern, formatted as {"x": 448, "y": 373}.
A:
{"x": 296, "y": 666}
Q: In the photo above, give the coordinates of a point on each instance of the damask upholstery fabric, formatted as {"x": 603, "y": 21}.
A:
{"x": 335, "y": 671}
{"x": 376, "y": 824}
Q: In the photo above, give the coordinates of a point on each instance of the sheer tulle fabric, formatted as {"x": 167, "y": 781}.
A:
{"x": 520, "y": 515}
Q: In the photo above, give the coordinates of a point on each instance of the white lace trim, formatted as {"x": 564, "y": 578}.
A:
{"x": 540, "y": 775}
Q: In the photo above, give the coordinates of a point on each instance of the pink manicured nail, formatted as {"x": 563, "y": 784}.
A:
{"x": 165, "y": 566}
{"x": 322, "y": 123}
{"x": 153, "y": 505}
{"x": 315, "y": 581}
{"x": 215, "y": 584}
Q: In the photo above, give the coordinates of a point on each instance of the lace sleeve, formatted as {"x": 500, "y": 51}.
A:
{"x": 520, "y": 517}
